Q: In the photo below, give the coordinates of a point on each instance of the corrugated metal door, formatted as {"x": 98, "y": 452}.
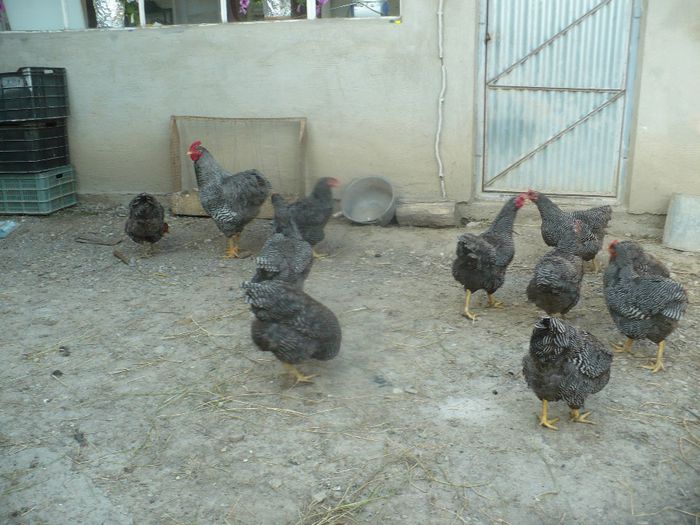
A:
{"x": 557, "y": 78}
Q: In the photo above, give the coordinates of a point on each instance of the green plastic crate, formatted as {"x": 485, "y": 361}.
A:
{"x": 37, "y": 193}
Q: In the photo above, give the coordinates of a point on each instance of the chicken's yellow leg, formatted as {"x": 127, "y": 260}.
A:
{"x": 318, "y": 255}
{"x": 659, "y": 363}
{"x": 580, "y": 418}
{"x": 549, "y": 423}
{"x": 494, "y": 303}
{"x": 466, "y": 312}
{"x": 300, "y": 378}
{"x": 627, "y": 347}
{"x": 232, "y": 250}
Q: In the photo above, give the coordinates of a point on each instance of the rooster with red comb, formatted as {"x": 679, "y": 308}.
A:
{"x": 231, "y": 199}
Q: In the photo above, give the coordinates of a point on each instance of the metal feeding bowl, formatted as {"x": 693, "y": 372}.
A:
{"x": 369, "y": 200}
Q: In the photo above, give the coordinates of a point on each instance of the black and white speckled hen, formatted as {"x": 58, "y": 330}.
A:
{"x": 565, "y": 363}
{"x": 231, "y": 199}
{"x": 146, "y": 222}
{"x": 557, "y": 223}
{"x": 643, "y": 263}
{"x": 311, "y": 214}
{"x": 556, "y": 284}
{"x": 292, "y": 325}
{"x": 642, "y": 300}
{"x": 285, "y": 256}
{"x": 482, "y": 259}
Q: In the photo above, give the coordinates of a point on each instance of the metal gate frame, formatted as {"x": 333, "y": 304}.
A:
{"x": 627, "y": 120}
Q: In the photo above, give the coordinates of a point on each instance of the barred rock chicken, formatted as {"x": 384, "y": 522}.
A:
{"x": 145, "y": 224}
{"x": 566, "y": 363}
{"x": 642, "y": 300}
{"x": 285, "y": 256}
{"x": 556, "y": 284}
{"x": 557, "y": 223}
{"x": 232, "y": 200}
{"x": 313, "y": 212}
{"x": 482, "y": 259}
{"x": 643, "y": 263}
{"x": 291, "y": 325}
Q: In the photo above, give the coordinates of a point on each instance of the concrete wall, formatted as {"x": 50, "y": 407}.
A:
{"x": 368, "y": 87}
{"x": 666, "y": 153}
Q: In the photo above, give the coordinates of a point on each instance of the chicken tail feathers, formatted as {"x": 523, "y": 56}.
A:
{"x": 678, "y": 302}
{"x": 143, "y": 199}
{"x": 262, "y": 182}
{"x": 257, "y": 293}
{"x": 474, "y": 247}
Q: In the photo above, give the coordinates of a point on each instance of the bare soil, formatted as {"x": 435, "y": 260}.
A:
{"x": 132, "y": 393}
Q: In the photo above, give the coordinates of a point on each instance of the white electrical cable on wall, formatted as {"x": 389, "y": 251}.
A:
{"x": 142, "y": 13}
{"x": 64, "y": 9}
{"x": 441, "y": 98}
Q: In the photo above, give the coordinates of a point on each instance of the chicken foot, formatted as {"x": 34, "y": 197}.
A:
{"x": 627, "y": 347}
{"x": 549, "y": 423}
{"x": 466, "y": 312}
{"x": 659, "y": 363}
{"x": 300, "y": 377}
{"x": 494, "y": 303}
{"x": 318, "y": 255}
{"x": 577, "y": 417}
{"x": 232, "y": 250}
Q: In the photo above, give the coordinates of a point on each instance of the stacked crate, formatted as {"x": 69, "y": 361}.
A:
{"x": 35, "y": 172}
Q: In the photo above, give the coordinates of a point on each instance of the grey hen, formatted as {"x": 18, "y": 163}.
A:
{"x": 231, "y": 199}
{"x": 285, "y": 256}
{"x": 482, "y": 260}
{"x": 557, "y": 223}
{"x": 565, "y": 363}
{"x": 292, "y": 325}
{"x": 146, "y": 222}
{"x": 556, "y": 284}
{"x": 311, "y": 214}
{"x": 643, "y": 263}
{"x": 641, "y": 299}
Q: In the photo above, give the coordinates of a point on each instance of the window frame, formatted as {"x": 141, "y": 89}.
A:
{"x": 223, "y": 11}
{"x": 223, "y": 14}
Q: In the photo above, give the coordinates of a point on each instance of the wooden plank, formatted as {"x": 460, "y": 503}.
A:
{"x": 187, "y": 203}
{"x": 430, "y": 214}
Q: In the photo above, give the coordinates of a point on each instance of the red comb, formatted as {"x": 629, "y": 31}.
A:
{"x": 195, "y": 145}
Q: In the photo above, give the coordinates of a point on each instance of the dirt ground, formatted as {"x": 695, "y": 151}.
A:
{"x": 132, "y": 394}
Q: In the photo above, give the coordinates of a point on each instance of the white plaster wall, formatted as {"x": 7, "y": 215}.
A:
{"x": 368, "y": 88}
{"x": 666, "y": 154}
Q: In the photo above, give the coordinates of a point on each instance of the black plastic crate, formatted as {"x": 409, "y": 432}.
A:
{"x": 33, "y": 146}
{"x": 33, "y": 93}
